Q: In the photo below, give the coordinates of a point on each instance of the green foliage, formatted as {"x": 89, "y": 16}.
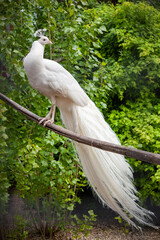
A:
{"x": 126, "y": 227}
{"x": 126, "y": 79}
{"x": 154, "y": 3}
{"x": 138, "y": 125}
{"x": 42, "y": 165}
{"x": 82, "y": 225}
{"x": 18, "y": 232}
{"x": 48, "y": 177}
{"x": 4, "y": 183}
{"x": 130, "y": 48}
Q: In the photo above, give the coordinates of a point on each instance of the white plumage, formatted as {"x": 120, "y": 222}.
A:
{"x": 108, "y": 173}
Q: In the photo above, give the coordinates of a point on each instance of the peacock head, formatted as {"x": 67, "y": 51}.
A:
{"x": 44, "y": 40}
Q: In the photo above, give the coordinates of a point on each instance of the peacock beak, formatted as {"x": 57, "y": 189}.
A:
{"x": 50, "y": 42}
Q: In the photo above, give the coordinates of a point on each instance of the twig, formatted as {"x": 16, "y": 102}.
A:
{"x": 59, "y": 59}
{"x": 126, "y": 151}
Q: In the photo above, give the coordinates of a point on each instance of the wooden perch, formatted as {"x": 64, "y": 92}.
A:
{"x": 126, "y": 151}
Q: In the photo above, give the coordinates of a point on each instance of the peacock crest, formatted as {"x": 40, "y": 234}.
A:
{"x": 40, "y": 32}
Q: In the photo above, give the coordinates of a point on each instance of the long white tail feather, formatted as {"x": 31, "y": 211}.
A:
{"x": 108, "y": 173}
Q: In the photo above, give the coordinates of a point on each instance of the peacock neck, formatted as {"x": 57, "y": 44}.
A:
{"x": 37, "y": 49}
{"x": 33, "y": 62}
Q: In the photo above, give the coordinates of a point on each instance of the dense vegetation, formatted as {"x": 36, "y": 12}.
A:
{"x": 113, "y": 52}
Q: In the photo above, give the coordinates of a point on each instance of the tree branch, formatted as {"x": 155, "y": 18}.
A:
{"x": 126, "y": 151}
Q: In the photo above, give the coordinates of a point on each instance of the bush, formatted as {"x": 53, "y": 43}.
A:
{"x": 126, "y": 80}
{"x": 138, "y": 125}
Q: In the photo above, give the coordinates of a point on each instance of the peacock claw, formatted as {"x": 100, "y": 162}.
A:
{"x": 48, "y": 121}
{"x": 44, "y": 121}
{"x": 50, "y": 116}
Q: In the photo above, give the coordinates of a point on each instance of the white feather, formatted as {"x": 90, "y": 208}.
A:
{"x": 108, "y": 173}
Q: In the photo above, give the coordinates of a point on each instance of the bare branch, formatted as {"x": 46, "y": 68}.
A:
{"x": 59, "y": 59}
{"x": 126, "y": 151}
